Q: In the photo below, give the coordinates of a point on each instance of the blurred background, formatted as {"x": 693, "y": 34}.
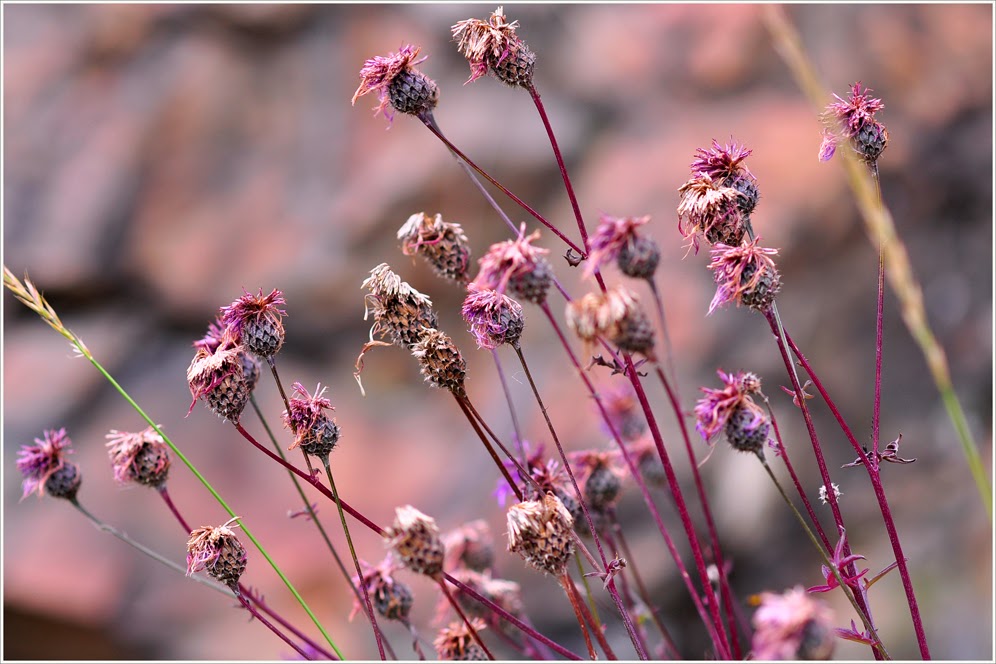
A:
{"x": 158, "y": 159}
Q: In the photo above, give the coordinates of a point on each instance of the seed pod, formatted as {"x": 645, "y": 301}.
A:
{"x": 141, "y": 457}
{"x": 519, "y": 266}
{"x": 870, "y": 141}
{"x": 64, "y": 482}
{"x": 393, "y": 599}
{"x": 401, "y": 313}
{"x": 413, "y": 92}
{"x": 315, "y": 432}
{"x": 415, "y": 539}
{"x": 602, "y": 487}
{"x": 455, "y": 642}
{"x": 398, "y": 83}
{"x": 539, "y": 530}
{"x": 217, "y": 551}
{"x": 639, "y": 257}
{"x": 516, "y": 67}
{"x": 440, "y": 360}
{"x": 747, "y": 429}
{"x": 256, "y": 322}
{"x": 495, "y": 319}
{"x": 44, "y": 466}
{"x": 761, "y": 294}
{"x": 747, "y": 186}
{"x": 443, "y": 244}
{"x": 218, "y": 378}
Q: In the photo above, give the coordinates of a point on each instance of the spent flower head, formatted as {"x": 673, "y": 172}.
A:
{"x": 141, "y": 457}
{"x": 471, "y": 546}
{"x": 725, "y": 164}
{"x": 792, "y": 626}
{"x": 540, "y": 531}
{"x": 415, "y": 539}
{"x": 517, "y": 265}
{"x": 492, "y": 45}
{"x": 440, "y": 361}
{"x": 713, "y": 411}
{"x": 45, "y": 468}
{"x": 442, "y": 243}
{"x": 401, "y": 313}
{"x": 744, "y": 274}
{"x": 616, "y": 238}
{"x": 854, "y": 120}
{"x": 315, "y": 432}
{"x": 219, "y": 378}
{"x": 392, "y": 598}
{"x": 218, "y": 551}
{"x": 456, "y": 642}
{"x": 398, "y": 83}
{"x": 711, "y": 209}
{"x": 256, "y": 322}
{"x": 616, "y": 315}
{"x": 601, "y": 476}
{"x": 494, "y": 318}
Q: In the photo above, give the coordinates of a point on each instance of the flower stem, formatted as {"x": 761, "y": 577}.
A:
{"x": 259, "y": 616}
{"x": 463, "y": 403}
{"x": 463, "y": 616}
{"x": 519, "y": 447}
{"x": 568, "y": 586}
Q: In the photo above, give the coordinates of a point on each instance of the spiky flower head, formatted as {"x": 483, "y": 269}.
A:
{"x": 470, "y": 546}
{"x": 440, "y": 361}
{"x": 398, "y": 83}
{"x": 493, "y": 46}
{"x": 732, "y": 403}
{"x": 494, "y": 318}
{"x": 792, "y": 626}
{"x": 415, "y": 539}
{"x": 710, "y": 209}
{"x": 218, "y": 377}
{"x": 456, "y": 643}
{"x": 256, "y": 322}
{"x": 442, "y": 243}
{"x": 853, "y": 119}
{"x": 401, "y": 313}
{"x": 219, "y": 552}
{"x": 744, "y": 274}
{"x": 725, "y": 165}
{"x": 517, "y": 265}
{"x": 45, "y": 468}
{"x": 141, "y": 457}
{"x": 315, "y": 432}
{"x": 615, "y": 315}
{"x": 616, "y": 238}
{"x": 601, "y": 476}
{"x": 392, "y": 598}
{"x": 540, "y": 532}
{"x": 212, "y": 340}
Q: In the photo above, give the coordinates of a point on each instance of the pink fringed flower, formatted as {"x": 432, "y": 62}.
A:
{"x": 219, "y": 378}
{"x": 494, "y": 318}
{"x": 44, "y": 467}
{"x": 315, "y": 432}
{"x": 744, "y": 274}
{"x": 517, "y": 265}
{"x": 792, "y": 626}
{"x": 492, "y": 45}
{"x": 256, "y": 322}
{"x": 398, "y": 83}
{"x": 141, "y": 457}
{"x": 725, "y": 165}
{"x": 616, "y": 238}
{"x": 713, "y": 411}
{"x": 217, "y": 551}
{"x": 710, "y": 209}
{"x": 854, "y": 119}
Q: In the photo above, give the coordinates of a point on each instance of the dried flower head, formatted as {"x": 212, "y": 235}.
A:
{"x": 540, "y": 532}
{"x": 416, "y": 541}
{"x": 725, "y": 165}
{"x": 854, "y": 120}
{"x": 315, "y": 432}
{"x": 713, "y": 411}
{"x": 256, "y": 322}
{"x": 792, "y": 626}
{"x": 623, "y": 411}
{"x": 45, "y": 468}
{"x": 141, "y": 457}
{"x": 442, "y": 243}
{"x": 744, "y": 274}
{"x": 648, "y": 462}
{"x": 217, "y": 551}
{"x": 212, "y": 340}
{"x": 517, "y": 265}
{"x": 400, "y": 312}
{"x": 398, "y": 83}
{"x": 617, "y": 238}
{"x": 615, "y": 315}
{"x": 440, "y": 361}
{"x": 506, "y": 594}
{"x": 392, "y": 598}
{"x": 494, "y": 318}
{"x": 218, "y": 377}
{"x": 710, "y": 209}
{"x": 457, "y": 643}
{"x": 471, "y": 546}
{"x": 602, "y": 477}
{"x": 493, "y": 46}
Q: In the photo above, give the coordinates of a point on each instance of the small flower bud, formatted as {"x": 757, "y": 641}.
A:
{"x": 456, "y": 643}
{"x": 315, "y": 432}
{"x": 518, "y": 266}
{"x": 416, "y": 541}
{"x": 401, "y": 313}
{"x": 494, "y": 318}
{"x": 256, "y": 322}
{"x": 397, "y": 82}
{"x": 218, "y": 378}
{"x": 744, "y": 274}
{"x": 443, "y": 244}
{"x": 217, "y": 551}
{"x": 141, "y": 457}
{"x": 539, "y": 530}
{"x": 440, "y": 360}
{"x": 45, "y": 468}
{"x": 792, "y": 626}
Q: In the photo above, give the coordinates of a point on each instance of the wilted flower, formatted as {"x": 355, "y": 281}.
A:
{"x": 45, "y": 468}
{"x": 391, "y": 598}
{"x": 400, "y": 312}
{"x": 457, "y": 643}
{"x": 494, "y": 318}
{"x": 442, "y": 243}
{"x": 219, "y": 552}
{"x": 601, "y": 478}
{"x": 714, "y": 410}
{"x": 141, "y": 457}
{"x": 540, "y": 531}
{"x": 615, "y": 315}
{"x": 440, "y": 361}
{"x": 792, "y": 625}
{"x": 517, "y": 265}
{"x": 506, "y": 594}
{"x": 218, "y": 377}
{"x": 315, "y": 432}
{"x": 623, "y": 411}
{"x": 854, "y": 120}
{"x": 711, "y": 209}
{"x": 744, "y": 274}
{"x": 212, "y": 340}
{"x": 470, "y": 545}
{"x": 724, "y": 164}
{"x": 397, "y": 82}
{"x": 616, "y": 238}
{"x": 256, "y": 322}
{"x": 493, "y": 45}
{"x": 416, "y": 541}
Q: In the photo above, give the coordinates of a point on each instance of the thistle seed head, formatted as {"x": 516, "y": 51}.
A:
{"x": 398, "y": 83}
{"x": 401, "y": 313}
{"x": 517, "y": 265}
{"x": 494, "y": 318}
{"x": 854, "y": 120}
{"x": 715, "y": 409}
{"x": 443, "y": 244}
{"x": 615, "y": 315}
{"x": 470, "y": 546}
{"x": 616, "y": 238}
{"x": 217, "y": 551}
{"x": 415, "y": 539}
{"x": 44, "y": 467}
{"x": 218, "y": 377}
{"x": 725, "y": 164}
{"x": 747, "y": 429}
{"x": 493, "y": 46}
{"x": 141, "y": 457}
{"x": 602, "y": 478}
{"x": 440, "y": 361}
{"x": 539, "y": 531}
{"x": 456, "y": 642}
{"x": 256, "y": 322}
{"x": 744, "y": 274}
{"x": 315, "y": 432}
{"x": 392, "y": 598}
{"x": 710, "y": 209}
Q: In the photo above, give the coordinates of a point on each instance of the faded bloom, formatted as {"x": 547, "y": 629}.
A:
{"x": 471, "y": 546}
{"x": 494, "y": 318}
{"x": 256, "y": 322}
{"x": 648, "y": 462}
{"x": 218, "y": 377}
{"x": 400, "y": 312}
{"x": 714, "y": 410}
{"x": 391, "y": 598}
{"x": 141, "y": 457}
{"x": 615, "y": 315}
{"x": 440, "y": 361}
{"x": 616, "y": 238}
{"x": 315, "y": 432}
{"x": 492, "y": 45}
{"x": 398, "y": 83}
{"x": 744, "y": 274}
{"x": 623, "y": 411}
{"x": 504, "y": 593}
{"x": 724, "y": 164}
{"x": 601, "y": 477}
{"x": 517, "y": 265}
{"x": 212, "y": 340}
{"x": 854, "y": 120}
{"x": 792, "y": 626}
{"x": 219, "y": 552}
{"x": 416, "y": 541}
{"x": 540, "y": 532}
{"x": 45, "y": 468}
{"x": 457, "y": 643}
{"x": 442, "y": 243}
{"x": 711, "y": 209}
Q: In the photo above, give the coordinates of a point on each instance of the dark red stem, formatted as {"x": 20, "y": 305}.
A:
{"x": 463, "y": 617}
{"x": 258, "y": 616}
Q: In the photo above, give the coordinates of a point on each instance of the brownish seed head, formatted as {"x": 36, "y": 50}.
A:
{"x": 540, "y": 531}
{"x": 443, "y": 244}
{"x": 141, "y": 457}
{"x": 416, "y": 541}
{"x": 218, "y": 378}
{"x": 401, "y": 313}
{"x": 456, "y": 643}
{"x": 217, "y": 551}
{"x": 440, "y": 361}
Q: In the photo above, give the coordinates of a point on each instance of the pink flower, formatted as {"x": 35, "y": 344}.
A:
{"x": 380, "y": 73}
{"x": 792, "y": 625}
{"x": 744, "y": 274}
{"x": 42, "y": 461}
{"x": 722, "y": 162}
{"x": 714, "y": 409}
{"x": 494, "y": 318}
{"x": 853, "y": 119}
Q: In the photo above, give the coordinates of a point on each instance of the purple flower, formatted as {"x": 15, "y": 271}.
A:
{"x": 611, "y": 236}
{"x": 722, "y": 162}
{"x": 744, "y": 274}
{"x": 380, "y": 73}
{"x": 494, "y": 318}
{"x": 792, "y": 625}
{"x": 853, "y": 119}
{"x": 41, "y": 461}
{"x": 714, "y": 409}
{"x": 141, "y": 457}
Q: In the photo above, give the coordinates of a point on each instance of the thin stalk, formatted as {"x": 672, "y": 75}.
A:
{"x": 879, "y": 324}
{"x": 599, "y": 634}
{"x": 625, "y": 592}
{"x": 172, "y": 508}
{"x": 463, "y": 403}
{"x": 463, "y": 617}
{"x": 568, "y": 586}
{"x": 587, "y": 590}
{"x": 519, "y": 447}
{"x": 540, "y": 218}
{"x": 416, "y": 646}
{"x": 259, "y": 616}
{"x": 283, "y": 395}
{"x": 356, "y": 563}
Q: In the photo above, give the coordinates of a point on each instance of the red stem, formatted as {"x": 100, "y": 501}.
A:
{"x": 463, "y": 616}
{"x": 258, "y": 616}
